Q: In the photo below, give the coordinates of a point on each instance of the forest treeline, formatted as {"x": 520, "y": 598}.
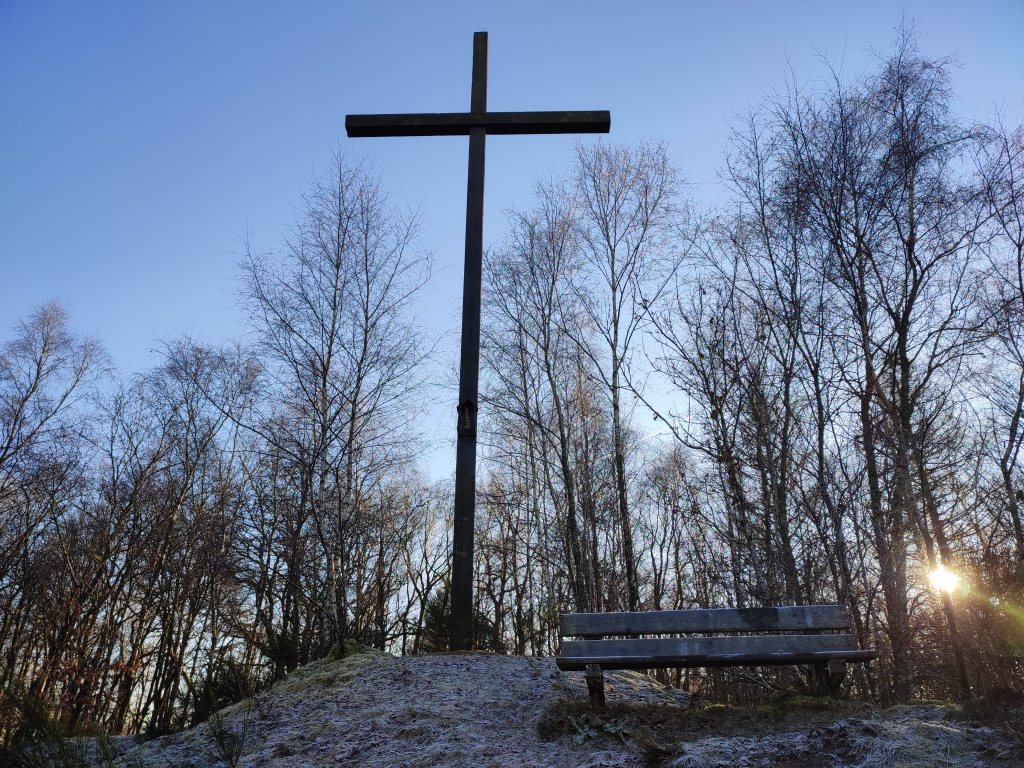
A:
{"x": 832, "y": 353}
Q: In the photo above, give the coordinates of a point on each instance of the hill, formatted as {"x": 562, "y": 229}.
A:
{"x": 452, "y": 710}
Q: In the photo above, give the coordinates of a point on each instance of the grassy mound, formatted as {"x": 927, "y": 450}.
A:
{"x": 330, "y": 671}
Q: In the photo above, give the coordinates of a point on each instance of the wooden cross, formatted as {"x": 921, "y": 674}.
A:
{"x": 476, "y": 124}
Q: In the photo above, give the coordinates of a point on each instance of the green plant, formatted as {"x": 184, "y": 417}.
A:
{"x": 230, "y": 742}
{"x": 42, "y": 741}
{"x": 228, "y": 682}
{"x": 284, "y": 649}
{"x": 336, "y": 654}
{"x": 104, "y": 753}
{"x": 584, "y": 730}
{"x": 617, "y": 729}
{"x": 437, "y": 625}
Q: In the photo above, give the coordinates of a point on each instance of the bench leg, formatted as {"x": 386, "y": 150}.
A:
{"x": 595, "y": 684}
{"x": 836, "y": 673}
{"x": 829, "y": 676}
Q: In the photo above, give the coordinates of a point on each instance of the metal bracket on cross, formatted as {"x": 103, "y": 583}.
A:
{"x": 467, "y": 419}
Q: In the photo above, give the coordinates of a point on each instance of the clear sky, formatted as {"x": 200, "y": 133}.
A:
{"x": 139, "y": 139}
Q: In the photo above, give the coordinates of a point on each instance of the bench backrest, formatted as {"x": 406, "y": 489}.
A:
{"x": 800, "y": 618}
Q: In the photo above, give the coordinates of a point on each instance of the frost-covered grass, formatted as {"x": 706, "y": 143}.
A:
{"x": 901, "y": 737}
{"x": 378, "y": 711}
{"x": 911, "y": 741}
{"x": 449, "y": 710}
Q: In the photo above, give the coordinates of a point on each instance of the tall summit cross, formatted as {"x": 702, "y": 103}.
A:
{"x": 476, "y": 124}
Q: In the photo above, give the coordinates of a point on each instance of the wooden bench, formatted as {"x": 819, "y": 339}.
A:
{"x": 803, "y": 643}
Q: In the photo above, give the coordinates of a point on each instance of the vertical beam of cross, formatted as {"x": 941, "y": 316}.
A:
{"x": 469, "y": 365}
{"x": 476, "y": 124}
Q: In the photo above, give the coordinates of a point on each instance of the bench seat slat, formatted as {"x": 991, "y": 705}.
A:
{"x": 758, "y": 645}
{"x": 783, "y": 618}
{"x": 728, "y": 660}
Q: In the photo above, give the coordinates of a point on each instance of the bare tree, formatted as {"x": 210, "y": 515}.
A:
{"x": 44, "y": 371}
{"x": 1002, "y": 169}
{"x": 627, "y": 220}
{"x": 334, "y": 321}
{"x": 529, "y": 292}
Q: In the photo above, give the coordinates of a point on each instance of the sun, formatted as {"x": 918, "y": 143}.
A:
{"x": 943, "y": 580}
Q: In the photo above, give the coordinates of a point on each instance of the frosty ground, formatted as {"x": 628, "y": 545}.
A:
{"x": 487, "y": 711}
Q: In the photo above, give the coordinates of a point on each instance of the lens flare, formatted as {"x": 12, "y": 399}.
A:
{"x": 943, "y": 580}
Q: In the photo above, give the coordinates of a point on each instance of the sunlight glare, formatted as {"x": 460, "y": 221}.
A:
{"x": 943, "y": 580}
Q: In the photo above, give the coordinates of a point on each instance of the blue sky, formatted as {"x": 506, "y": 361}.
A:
{"x": 139, "y": 140}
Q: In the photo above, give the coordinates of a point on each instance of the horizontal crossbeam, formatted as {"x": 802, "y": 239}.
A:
{"x": 460, "y": 123}
{"x": 789, "y": 617}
